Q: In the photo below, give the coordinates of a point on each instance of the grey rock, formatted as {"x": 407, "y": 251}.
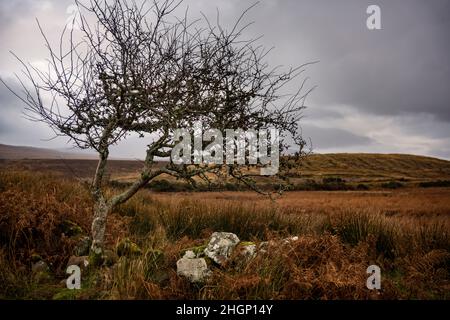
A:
{"x": 195, "y": 270}
{"x": 189, "y": 254}
{"x": 221, "y": 246}
{"x": 248, "y": 251}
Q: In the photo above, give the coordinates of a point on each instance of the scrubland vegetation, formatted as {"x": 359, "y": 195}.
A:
{"x": 404, "y": 231}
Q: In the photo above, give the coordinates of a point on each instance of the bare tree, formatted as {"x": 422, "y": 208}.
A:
{"x": 138, "y": 69}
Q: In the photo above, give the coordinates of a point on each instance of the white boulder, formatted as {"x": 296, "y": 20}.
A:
{"x": 221, "y": 246}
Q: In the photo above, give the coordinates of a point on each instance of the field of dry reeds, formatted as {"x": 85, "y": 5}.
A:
{"x": 405, "y": 231}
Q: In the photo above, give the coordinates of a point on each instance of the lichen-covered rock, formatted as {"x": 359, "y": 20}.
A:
{"x": 221, "y": 246}
{"x": 128, "y": 248}
{"x": 189, "y": 254}
{"x": 195, "y": 270}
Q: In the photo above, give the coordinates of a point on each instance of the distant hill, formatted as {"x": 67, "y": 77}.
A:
{"x": 353, "y": 167}
{"x": 23, "y": 152}
{"x": 375, "y": 165}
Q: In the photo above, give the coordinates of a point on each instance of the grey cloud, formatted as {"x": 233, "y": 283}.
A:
{"x": 11, "y": 10}
{"x": 325, "y": 138}
{"x": 322, "y": 113}
{"x": 441, "y": 153}
{"x": 404, "y": 68}
{"x": 428, "y": 124}
{"x": 15, "y": 128}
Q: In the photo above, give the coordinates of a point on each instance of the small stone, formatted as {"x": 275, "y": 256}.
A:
{"x": 189, "y": 255}
{"x": 195, "y": 270}
{"x": 220, "y": 246}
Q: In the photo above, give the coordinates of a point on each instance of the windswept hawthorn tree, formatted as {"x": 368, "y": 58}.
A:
{"x": 138, "y": 69}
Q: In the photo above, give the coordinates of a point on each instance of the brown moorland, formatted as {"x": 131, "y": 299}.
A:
{"x": 405, "y": 231}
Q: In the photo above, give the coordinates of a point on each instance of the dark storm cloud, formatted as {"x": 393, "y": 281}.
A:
{"x": 405, "y": 67}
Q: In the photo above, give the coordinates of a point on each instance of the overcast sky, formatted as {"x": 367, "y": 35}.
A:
{"x": 382, "y": 90}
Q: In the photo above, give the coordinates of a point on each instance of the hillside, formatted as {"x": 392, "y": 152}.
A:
{"x": 375, "y": 166}
{"x": 352, "y": 167}
{"x": 25, "y": 152}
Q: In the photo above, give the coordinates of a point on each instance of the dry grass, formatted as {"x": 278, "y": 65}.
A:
{"x": 405, "y": 232}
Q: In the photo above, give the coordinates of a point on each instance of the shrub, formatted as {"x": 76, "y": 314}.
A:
{"x": 392, "y": 185}
{"x": 362, "y": 186}
{"x": 435, "y": 184}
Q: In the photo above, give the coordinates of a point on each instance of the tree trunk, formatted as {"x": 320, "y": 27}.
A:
{"x": 99, "y": 225}
{"x": 104, "y": 206}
